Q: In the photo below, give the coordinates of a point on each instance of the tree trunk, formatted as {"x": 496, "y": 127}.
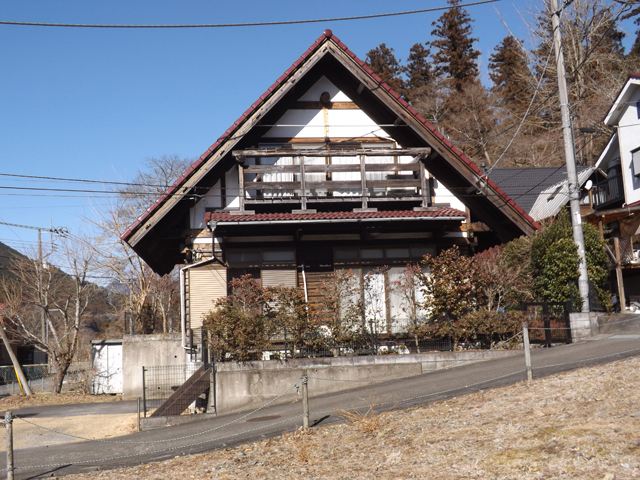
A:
{"x": 61, "y": 373}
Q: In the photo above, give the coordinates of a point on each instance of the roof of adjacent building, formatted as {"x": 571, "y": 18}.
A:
{"x": 435, "y": 213}
{"x": 449, "y": 164}
{"x": 540, "y": 191}
{"x": 613, "y": 115}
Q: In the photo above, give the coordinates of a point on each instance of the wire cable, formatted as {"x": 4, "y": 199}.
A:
{"x": 249, "y": 24}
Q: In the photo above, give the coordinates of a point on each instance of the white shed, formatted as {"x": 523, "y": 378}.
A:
{"x": 106, "y": 358}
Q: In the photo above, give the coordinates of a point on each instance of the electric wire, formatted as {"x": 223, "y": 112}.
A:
{"x": 248, "y": 24}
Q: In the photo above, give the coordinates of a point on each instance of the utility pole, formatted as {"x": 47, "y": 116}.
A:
{"x": 569, "y": 152}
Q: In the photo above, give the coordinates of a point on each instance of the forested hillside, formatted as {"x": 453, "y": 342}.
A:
{"x": 6, "y": 255}
{"x": 515, "y": 121}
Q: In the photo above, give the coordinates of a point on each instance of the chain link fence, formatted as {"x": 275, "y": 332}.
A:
{"x": 160, "y": 382}
{"x": 40, "y": 378}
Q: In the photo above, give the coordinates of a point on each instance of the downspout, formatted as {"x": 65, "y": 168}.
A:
{"x": 183, "y": 307}
{"x": 304, "y": 281}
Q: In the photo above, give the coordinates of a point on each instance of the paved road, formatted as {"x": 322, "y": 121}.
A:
{"x": 273, "y": 420}
{"x": 101, "y": 408}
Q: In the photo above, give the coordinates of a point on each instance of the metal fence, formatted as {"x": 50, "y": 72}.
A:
{"x": 160, "y": 382}
{"x": 399, "y": 345}
{"x": 548, "y": 322}
{"x": 40, "y": 378}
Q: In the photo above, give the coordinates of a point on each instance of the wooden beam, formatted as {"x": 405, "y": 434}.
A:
{"x": 623, "y": 303}
{"x": 240, "y": 155}
{"x": 369, "y": 167}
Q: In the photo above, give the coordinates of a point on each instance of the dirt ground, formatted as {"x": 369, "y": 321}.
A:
{"x": 86, "y": 426}
{"x": 582, "y": 424}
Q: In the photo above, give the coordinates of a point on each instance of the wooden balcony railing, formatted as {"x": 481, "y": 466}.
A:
{"x": 306, "y": 182}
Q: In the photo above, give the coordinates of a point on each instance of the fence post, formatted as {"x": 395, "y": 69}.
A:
{"x": 144, "y": 394}
{"x": 527, "y": 351}
{"x": 138, "y": 413}
{"x": 8, "y": 425}
{"x": 305, "y": 401}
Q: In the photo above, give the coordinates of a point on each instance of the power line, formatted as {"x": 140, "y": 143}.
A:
{"x": 59, "y": 230}
{"x": 249, "y": 24}
{"x": 80, "y": 180}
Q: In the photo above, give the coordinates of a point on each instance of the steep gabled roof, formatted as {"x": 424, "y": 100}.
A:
{"x": 618, "y": 107}
{"x": 159, "y": 227}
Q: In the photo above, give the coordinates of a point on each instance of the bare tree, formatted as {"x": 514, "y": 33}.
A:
{"x": 47, "y": 305}
{"x": 151, "y": 300}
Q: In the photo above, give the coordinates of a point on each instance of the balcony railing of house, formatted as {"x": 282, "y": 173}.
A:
{"x": 608, "y": 191}
{"x": 356, "y": 175}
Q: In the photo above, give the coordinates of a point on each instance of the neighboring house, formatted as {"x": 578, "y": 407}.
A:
{"x": 329, "y": 169}
{"x": 543, "y": 191}
{"x": 616, "y": 199}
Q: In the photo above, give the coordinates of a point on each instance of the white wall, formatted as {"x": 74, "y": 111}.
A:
{"x": 629, "y": 139}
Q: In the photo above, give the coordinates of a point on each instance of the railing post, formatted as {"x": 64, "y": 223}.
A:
{"x": 8, "y": 425}
{"x": 305, "y": 401}
{"x": 241, "y": 192}
{"x": 363, "y": 181}
{"x": 144, "y": 394}
{"x": 527, "y": 351}
{"x": 303, "y": 184}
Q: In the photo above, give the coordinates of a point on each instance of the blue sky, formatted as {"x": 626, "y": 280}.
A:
{"x": 94, "y": 103}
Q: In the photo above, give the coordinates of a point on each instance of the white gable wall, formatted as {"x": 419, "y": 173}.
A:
{"x": 310, "y": 124}
{"x": 629, "y": 140}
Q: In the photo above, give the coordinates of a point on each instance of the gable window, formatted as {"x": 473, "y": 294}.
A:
{"x": 635, "y": 159}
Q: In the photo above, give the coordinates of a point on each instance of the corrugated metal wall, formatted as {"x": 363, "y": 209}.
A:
{"x": 205, "y": 285}
{"x": 284, "y": 277}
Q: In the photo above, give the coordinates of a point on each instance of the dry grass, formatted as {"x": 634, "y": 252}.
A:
{"x": 14, "y": 402}
{"x": 583, "y": 424}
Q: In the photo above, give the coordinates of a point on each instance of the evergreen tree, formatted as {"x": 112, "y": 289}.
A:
{"x": 385, "y": 64}
{"x": 510, "y": 72}
{"x": 455, "y": 56}
{"x": 418, "y": 71}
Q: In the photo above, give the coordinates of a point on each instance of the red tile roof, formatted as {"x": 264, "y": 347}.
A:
{"x": 442, "y": 213}
{"x": 326, "y": 36}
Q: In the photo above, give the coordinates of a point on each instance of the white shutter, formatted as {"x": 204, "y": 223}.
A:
{"x": 274, "y": 278}
{"x": 206, "y": 285}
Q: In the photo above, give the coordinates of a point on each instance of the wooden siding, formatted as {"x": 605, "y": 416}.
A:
{"x": 205, "y": 285}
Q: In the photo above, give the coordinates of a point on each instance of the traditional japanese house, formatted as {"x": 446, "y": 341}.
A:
{"x": 329, "y": 169}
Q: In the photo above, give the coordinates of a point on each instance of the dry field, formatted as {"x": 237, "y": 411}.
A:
{"x": 14, "y": 402}
{"x": 584, "y": 424}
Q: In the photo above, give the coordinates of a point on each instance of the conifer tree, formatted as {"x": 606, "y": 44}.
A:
{"x": 509, "y": 72}
{"x": 384, "y": 63}
{"x": 455, "y": 56}
{"x": 418, "y": 71}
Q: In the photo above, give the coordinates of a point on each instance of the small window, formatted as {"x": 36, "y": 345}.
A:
{"x": 635, "y": 155}
{"x": 418, "y": 252}
{"x": 397, "y": 253}
{"x": 346, "y": 254}
{"x": 370, "y": 253}
{"x": 278, "y": 256}
{"x": 244, "y": 257}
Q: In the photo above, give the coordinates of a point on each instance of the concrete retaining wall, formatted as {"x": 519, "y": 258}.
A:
{"x": 584, "y": 325}
{"x": 147, "y": 350}
{"x": 245, "y": 386}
